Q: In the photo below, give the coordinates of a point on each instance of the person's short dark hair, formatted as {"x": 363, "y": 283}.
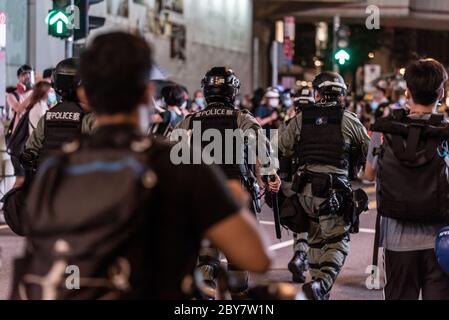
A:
{"x": 173, "y": 95}
{"x": 48, "y": 73}
{"x": 425, "y": 80}
{"x": 23, "y": 69}
{"x": 115, "y": 71}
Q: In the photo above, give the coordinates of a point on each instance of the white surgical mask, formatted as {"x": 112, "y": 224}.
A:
{"x": 288, "y": 103}
{"x": 199, "y": 101}
{"x": 52, "y": 99}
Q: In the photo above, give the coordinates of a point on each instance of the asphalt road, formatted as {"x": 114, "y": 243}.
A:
{"x": 350, "y": 284}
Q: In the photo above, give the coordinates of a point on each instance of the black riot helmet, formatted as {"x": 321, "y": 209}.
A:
{"x": 303, "y": 98}
{"x": 66, "y": 79}
{"x": 330, "y": 85}
{"x": 220, "y": 85}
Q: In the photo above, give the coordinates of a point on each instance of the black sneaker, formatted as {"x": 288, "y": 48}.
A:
{"x": 298, "y": 265}
{"x": 314, "y": 291}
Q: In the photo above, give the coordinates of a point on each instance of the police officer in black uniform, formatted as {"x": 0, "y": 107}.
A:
{"x": 65, "y": 121}
{"x": 324, "y": 136}
{"x": 220, "y": 87}
{"x": 298, "y": 264}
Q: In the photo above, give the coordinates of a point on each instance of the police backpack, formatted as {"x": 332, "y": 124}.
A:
{"x": 87, "y": 225}
{"x": 412, "y": 174}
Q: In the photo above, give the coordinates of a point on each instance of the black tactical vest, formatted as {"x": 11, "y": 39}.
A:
{"x": 321, "y": 140}
{"x": 221, "y": 118}
{"x": 62, "y": 124}
{"x": 412, "y": 173}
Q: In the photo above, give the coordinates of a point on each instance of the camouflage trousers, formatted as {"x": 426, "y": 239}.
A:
{"x": 327, "y": 241}
{"x": 300, "y": 242}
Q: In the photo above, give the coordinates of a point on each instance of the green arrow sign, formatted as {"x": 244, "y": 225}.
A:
{"x": 58, "y": 23}
{"x": 342, "y": 56}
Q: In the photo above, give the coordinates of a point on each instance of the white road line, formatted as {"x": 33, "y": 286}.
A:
{"x": 4, "y": 227}
{"x": 363, "y": 230}
{"x": 281, "y": 245}
{"x": 269, "y": 223}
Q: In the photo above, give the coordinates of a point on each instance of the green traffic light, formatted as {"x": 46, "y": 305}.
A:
{"x": 58, "y": 23}
{"x": 342, "y": 56}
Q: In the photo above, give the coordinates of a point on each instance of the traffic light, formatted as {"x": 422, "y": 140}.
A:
{"x": 87, "y": 23}
{"x": 64, "y": 21}
{"x": 59, "y": 20}
{"x": 342, "y": 54}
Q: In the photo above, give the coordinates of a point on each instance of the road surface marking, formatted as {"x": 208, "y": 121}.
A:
{"x": 4, "y": 227}
{"x": 280, "y": 245}
{"x": 269, "y": 223}
{"x": 363, "y": 230}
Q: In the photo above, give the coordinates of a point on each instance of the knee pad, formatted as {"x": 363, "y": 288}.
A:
{"x": 442, "y": 248}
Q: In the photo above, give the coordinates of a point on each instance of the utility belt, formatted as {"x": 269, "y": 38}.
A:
{"x": 322, "y": 183}
{"x": 341, "y": 199}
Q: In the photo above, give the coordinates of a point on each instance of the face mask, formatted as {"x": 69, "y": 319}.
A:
{"x": 402, "y": 101}
{"x": 273, "y": 103}
{"x": 288, "y": 103}
{"x": 199, "y": 101}
{"x": 184, "y": 105}
{"x": 52, "y": 99}
{"x": 374, "y": 105}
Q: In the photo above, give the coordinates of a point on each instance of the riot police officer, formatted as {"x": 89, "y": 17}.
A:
{"x": 298, "y": 265}
{"x": 220, "y": 86}
{"x": 65, "y": 121}
{"x": 323, "y": 136}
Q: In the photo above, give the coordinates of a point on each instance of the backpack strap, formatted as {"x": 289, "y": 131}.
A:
{"x": 436, "y": 119}
{"x": 407, "y": 153}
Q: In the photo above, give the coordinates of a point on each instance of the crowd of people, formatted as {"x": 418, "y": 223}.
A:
{"x": 96, "y": 189}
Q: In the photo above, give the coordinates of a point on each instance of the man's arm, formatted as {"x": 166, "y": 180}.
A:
{"x": 290, "y": 136}
{"x": 358, "y": 131}
{"x": 371, "y": 159}
{"x": 248, "y": 124}
{"x": 267, "y": 120}
{"x": 16, "y": 105}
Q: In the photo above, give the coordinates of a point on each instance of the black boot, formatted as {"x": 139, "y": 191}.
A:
{"x": 314, "y": 290}
{"x": 298, "y": 265}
